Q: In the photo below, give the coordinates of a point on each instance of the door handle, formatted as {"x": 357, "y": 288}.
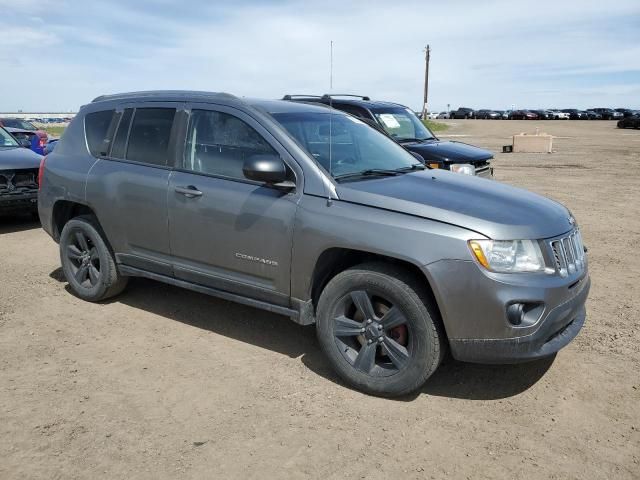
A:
{"x": 189, "y": 192}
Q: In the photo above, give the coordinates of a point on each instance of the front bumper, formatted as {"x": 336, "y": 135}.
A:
{"x": 559, "y": 328}
{"x": 473, "y": 304}
{"x": 18, "y": 202}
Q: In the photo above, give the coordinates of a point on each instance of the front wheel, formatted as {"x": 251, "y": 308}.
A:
{"x": 379, "y": 329}
{"x": 87, "y": 262}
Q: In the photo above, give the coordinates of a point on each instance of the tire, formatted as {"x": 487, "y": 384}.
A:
{"x": 392, "y": 340}
{"x": 87, "y": 261}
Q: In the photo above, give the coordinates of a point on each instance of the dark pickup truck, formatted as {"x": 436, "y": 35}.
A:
{"x": 402, "y": 125}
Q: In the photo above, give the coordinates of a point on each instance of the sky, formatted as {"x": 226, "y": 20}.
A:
{"x": 56, "y": 55}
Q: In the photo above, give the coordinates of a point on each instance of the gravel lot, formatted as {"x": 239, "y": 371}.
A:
{"x": 164, "y": 383}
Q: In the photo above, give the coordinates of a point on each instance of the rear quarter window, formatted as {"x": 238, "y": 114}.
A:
{"x": 149, "y": 135}
{"x": 96, "y": 127}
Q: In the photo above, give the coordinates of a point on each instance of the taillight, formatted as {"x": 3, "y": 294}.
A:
{"x": 41, "y": 172}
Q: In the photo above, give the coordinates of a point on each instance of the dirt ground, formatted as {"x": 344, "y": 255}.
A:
{"x": 162, "y": 383}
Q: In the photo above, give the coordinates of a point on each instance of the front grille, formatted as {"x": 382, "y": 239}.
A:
{"x": 18, "y": 182}
{"x": 483, "y": 169}
{"x": 568, "y": 254}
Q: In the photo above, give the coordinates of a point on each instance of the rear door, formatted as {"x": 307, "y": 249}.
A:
{"x": 230, "y": 233}
{"x": 128, "y": 186}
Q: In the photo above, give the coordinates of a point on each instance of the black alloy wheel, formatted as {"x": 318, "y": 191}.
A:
{"x": 372, "y": 334}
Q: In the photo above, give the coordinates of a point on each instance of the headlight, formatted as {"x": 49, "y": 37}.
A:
{"x": 508, "y": 256}
{"x": 465, "y": 168}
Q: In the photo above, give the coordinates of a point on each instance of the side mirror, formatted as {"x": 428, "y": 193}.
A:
{"x": 269, "y": 169}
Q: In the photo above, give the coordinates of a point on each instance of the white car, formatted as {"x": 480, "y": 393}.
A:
{"x": 558, "y": 115}
{"x": 432, "y": 115}
{"x": 443, "y": 115}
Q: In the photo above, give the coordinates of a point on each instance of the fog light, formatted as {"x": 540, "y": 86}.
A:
{"x": 515, "y": 313}
{"x": 524, "y": 314}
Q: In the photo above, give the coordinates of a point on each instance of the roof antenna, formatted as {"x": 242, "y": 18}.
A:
{"x": 330, "y": 116}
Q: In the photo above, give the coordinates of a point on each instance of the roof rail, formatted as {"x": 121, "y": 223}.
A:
{"x": 331, "y": 95}
{"x": 160, "y": 93}
{"x": 291, "y": 97}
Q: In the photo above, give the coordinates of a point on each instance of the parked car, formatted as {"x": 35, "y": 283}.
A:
{"x": 591, "y": 115}
{"x": 463, "y": 113}
{"x": 608, "y": 113}
{"x": 523, "y": 115}
{"x": 443, "y": 116}
{"x": 543, "y": 114}
{"x": 51, "y": 144}
{"x": 559, "y": 115}
{"x": 310, "y": 213}
{"x": 502, "y": 115}
{"x": 627, "y": 112}
{"x": 432, "y": 115}
{"x": 18, "y": 176}
{"x": 402, "y": 125}
{"x": 629, "y": 122}
{"x": 575, "y": 114}
{"x": 28, "y": 139}
{"x": 487, "y": 115}
{"x": 23, "y": 125}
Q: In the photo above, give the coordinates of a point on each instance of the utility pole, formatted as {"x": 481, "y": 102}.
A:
{"x": 427, "y": 53}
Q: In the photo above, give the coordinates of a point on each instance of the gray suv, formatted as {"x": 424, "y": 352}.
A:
{"x": 310, "y": 213}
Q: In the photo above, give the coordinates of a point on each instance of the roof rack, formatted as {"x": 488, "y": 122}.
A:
{"x": 291, "y": 97}
{"x": 331, "y": 95}
{"x": 159, "y": 93}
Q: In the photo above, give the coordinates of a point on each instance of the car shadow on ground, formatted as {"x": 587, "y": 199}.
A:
{"x": 18, "y": 223}
{"x": 275, "y": 333}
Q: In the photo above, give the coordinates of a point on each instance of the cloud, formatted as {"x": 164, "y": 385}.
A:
{"x": 492, "y": 54}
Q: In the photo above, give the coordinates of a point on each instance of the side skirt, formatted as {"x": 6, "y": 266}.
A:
{"x": 214, "y": 292}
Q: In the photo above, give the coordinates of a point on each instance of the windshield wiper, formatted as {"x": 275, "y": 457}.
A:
{"x": 371, "y": 172}
{"x": 381, "y": 172}
{"x": 415, "y": 166}
{"x": 407, "y": 139}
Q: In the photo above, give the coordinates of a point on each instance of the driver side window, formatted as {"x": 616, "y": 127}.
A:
{"x": 218, "y": 144}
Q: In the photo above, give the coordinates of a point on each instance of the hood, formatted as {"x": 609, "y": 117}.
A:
{"x": 496, "y": 210}
{"x": 449, "y": 152}
{"x": 17, "y": 158}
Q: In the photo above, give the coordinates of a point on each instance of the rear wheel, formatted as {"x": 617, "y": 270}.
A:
{"x": 87, "y": 261}
{"x": 379, "y": 330}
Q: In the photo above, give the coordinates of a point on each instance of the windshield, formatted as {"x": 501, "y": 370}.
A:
{"x": 7, "y": 140}
{"x": 354, "y": 146}
{"x": 402, "y": 124}
{"x": 14, "y": 123}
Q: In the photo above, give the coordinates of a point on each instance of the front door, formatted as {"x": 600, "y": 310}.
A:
{"x": 226, "y": 231}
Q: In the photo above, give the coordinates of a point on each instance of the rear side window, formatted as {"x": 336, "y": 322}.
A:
{"x": 96, "y": 127}
{"x": 358, "y": 112}
{"x": 120, "y": 140}
{"x": 149, "y": 136}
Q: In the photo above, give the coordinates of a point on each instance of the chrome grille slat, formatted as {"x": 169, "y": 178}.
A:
{"x": 568, "y": 254}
